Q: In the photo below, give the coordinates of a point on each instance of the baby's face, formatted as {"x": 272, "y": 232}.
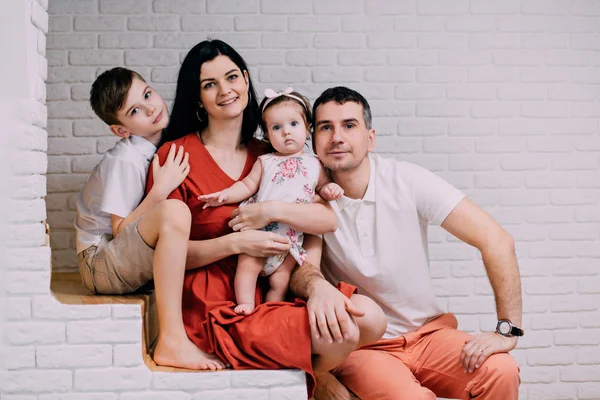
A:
{"x": 286, "y": 128}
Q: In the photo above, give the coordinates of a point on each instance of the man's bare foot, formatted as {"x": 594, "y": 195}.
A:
{"x": 244, "y": 309}
{"x": 182, "y": 353}
{"x": 329, "y": 388}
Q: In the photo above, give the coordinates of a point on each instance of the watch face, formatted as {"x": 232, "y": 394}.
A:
{"x": 504, "y": 327}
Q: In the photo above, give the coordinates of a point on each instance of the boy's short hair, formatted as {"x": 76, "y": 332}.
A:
{"x": 109, "y": 93}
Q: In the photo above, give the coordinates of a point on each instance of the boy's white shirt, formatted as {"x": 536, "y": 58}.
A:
{"x": 115, "y": 186}
{"x": 381, "y": 245}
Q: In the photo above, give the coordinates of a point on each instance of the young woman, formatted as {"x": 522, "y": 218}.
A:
{"x": 214, "y": 117}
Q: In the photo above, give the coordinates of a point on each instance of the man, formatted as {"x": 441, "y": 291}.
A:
{"x": 381, "y": 247}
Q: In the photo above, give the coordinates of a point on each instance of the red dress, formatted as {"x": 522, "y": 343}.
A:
{"x": 277, "y": 334}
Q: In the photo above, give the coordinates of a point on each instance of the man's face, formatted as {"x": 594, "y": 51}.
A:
{"x": 342, "y": 140}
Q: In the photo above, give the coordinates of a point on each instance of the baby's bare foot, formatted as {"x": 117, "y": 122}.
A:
{"x": 244, "y": 309}
{"x": 182, "y": 353}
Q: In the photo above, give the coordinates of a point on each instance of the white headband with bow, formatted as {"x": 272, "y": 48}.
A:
{"x": 271, "y": 95}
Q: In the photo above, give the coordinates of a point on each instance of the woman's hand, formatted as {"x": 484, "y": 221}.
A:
{"x": 254, "y": 216}
{"x": 260, "y": 243}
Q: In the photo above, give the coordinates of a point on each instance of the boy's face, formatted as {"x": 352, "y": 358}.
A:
{"x": 144, "y": 113}
{"x": 342, "y": 140}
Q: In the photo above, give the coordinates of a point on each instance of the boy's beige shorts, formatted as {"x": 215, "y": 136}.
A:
{"x": 117, "y": 265}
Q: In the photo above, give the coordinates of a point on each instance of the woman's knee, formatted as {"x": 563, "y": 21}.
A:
{"x": 373, "y": 324}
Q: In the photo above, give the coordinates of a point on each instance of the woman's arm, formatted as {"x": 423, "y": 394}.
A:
{"x": 251, "y": 242}
{"x": 315, "y": 218}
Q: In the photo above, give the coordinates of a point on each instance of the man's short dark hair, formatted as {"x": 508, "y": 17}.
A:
{"x": 341, "y": 95}
{"x": 109, "y": 93}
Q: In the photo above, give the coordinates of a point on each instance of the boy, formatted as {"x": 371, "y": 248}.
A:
{"x": 122, "y": 243}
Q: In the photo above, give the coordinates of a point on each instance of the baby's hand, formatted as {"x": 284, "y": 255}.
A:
{"x": 172, "y": 173}
{"x": 215, "y": 199}
{"x": 331, "y": 191}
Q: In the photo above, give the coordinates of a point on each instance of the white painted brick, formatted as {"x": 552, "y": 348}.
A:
{"x": 60, "y": 23}
{"x": 450, "y": 288}
{"x": 62, "y": 240}
{"x": 95, "y": 57}
{"x": 285, "y": 7}
{"x": 418, "y": 92}
{"x": 71, "y": 41}
{"x": 549, "y": 180}
{"x": 489, "y": 145}
{"x": 61, "y": 220}
{"x": 381, "y": 74}
{"x": 128, "y": 355}
{"x": 37, "y": 381}
{"x": 518, "y": 58}
{"x": 437, "y": 41}
{"x": 58, "y": 7}
{"x": 58, "y": 165}
{"x": 18, "y": 308}
{"x": 307, "y": 58}
{"x": 493, "y": 110}
{"x": 56, "y": 58}
{"x": 232, "y": 6}
{"x": 538, "y": 374}
{"x": 112, "y": 379}
{"x": 472, "y": 163}
{"x": 159, "y": 23}
{"x": 106, "y": 144}
{"x": 182, "y": 7}
{"x": 124, "y": 6}
{"x": 522, "y": 92}
{"x": 151, "y": 57}
{"x": 412, "y": 58}
{"x": 57, "y": 92}
{"x": 544, "y": 110}
{"x": 45, "y": 307}
{"x": 447, "y": 146}
{"x": 229, "y": 394}
{"x": 420, "y": 128}
{"x": 537, "y": 41}
{"x": 551, "y": 74}
{"x": 70, "y": 146}
{"x": 590, "y": 320}
{"x": 104, "y": 332}
{"x": 367, "y": 24}
{"x": 463, "y": 57}
{"x": 588, "y": 144}
{"x": 494, "y": 8}
{"x": 588, "y": 390}
{"x": 588, "y": 180}
{"x": 288, "y": 393}
{"x": 440, "y": 75}
{"x": 284, "y": 74}
{"x": 65, "y": 356}
{"x": 167, "y": 395}
{"x": 39, "y": 17}
{"x": 418, "y": 23}
{"x": 27, "y": 282}
{"x": 382, "y": 108}
{"x": 29, "y": 235}
{"x": 70, "y": 75}
{"x": 165, "y": 75}
{"x": 193, "y": 23}
{"x": 549, "y": 214}
{"x": 575, "y": 162}
{"x": 260, "y": 23}
{"x": 545, "y": 7}
{"x": 490, "y": 41}
{"x": 286, "y": 40}
{"x": 439, "y": 7}
{"x": 574, "y": 233}
{"x": 338, "y": 41}
{"x": 520, "y": 197}
{"x": 392, "y": 145}
{"x": 470, "y": 24}
{"x": 471, "y": 128}
{"x": 580, "y": 374}
{"x": 85, "y": 164}
{"x": 555, "y": 356}
{"x": 36, "y": 259}
{"x": 587, "y": 214}
{"x": 97, "y": 23}
{"x": 441, "y": 109}
{"x": 124, "y": 311}
{"x": 124, "y": 40}
{"x": 551, "y": 392}
{"x": 569, "y": 198}
{"x": 337, "y": 7}
{"x": 588, "y": 356}
{"x": 20, "y": 357}
{"x": 79, "y": 396}
{"x": 324, "y": 74}
{"x": 194, "y": 380}
{"x": 23, "y": 333}
{"x": 361, "y": 57}
{"x": 385, "y": 7}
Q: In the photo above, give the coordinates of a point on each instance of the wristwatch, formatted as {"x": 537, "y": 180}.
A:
{"x": 506, "y": 328}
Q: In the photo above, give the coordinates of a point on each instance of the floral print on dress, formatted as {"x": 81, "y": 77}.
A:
{"x": 289, "y": 168}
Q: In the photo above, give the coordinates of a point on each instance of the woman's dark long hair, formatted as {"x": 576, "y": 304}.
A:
{"x": 187, "y": 96}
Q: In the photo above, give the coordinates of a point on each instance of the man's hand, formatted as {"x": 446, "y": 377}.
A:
{"x": 479, "y": 347}
{"x": 172, "y": 173}
{"x": 329, "y": 312}
{"x": 253, "y": 216}
{"x": 331, "y": 191}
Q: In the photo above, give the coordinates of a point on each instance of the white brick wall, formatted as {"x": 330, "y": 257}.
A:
{"x": 500, "y": 98}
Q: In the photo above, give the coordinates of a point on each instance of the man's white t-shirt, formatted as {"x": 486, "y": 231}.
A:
{"x": 380, "y": 245}
{"x": 116, "y": 186}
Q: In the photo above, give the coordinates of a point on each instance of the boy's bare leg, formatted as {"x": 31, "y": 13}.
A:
{"x": 279, "y": 281}
{"x": 167, "y": 228}
{"x": 248, "y": 269}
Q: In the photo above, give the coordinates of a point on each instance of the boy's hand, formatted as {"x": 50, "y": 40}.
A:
{"x": 331, "y": 191}
{"x": 215, "y": 199}
{"x": 168, "y": 177}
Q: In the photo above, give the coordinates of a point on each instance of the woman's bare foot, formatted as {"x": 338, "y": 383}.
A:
{"x": 182, "y": 353}
{"x": 244, "y": 309}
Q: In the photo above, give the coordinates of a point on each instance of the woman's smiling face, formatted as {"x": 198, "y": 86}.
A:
{"x": 223, "y": 88}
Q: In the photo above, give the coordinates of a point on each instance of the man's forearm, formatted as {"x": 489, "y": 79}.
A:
{"x": 503, "y": 271}
{"x": 313, "y": 218}
{"x": 304, "y": 279}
